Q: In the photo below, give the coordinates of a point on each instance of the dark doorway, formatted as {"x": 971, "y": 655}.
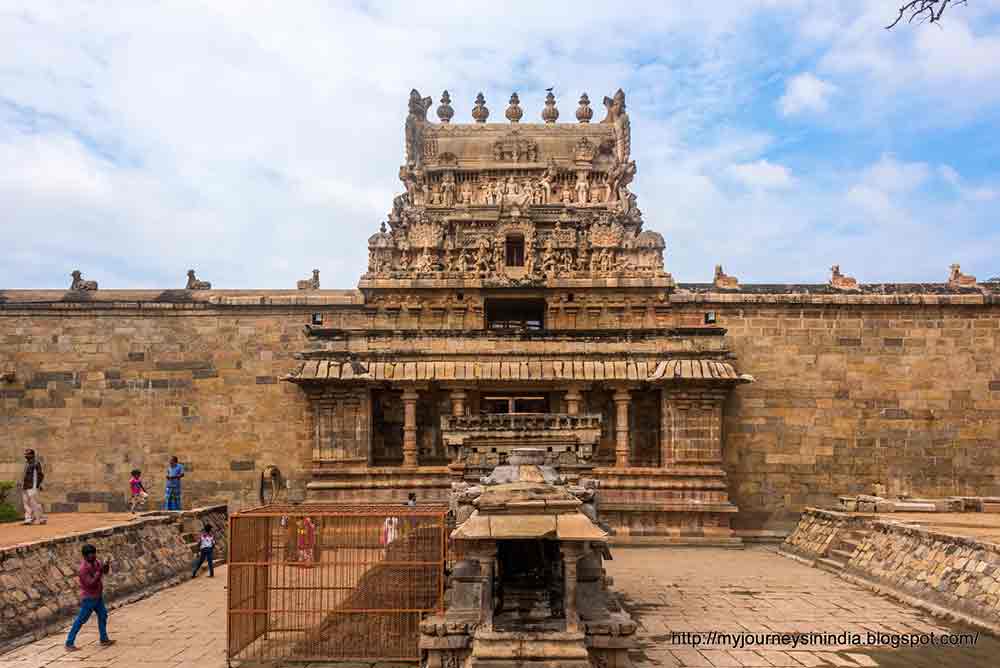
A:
{"x": 529, "y": 586}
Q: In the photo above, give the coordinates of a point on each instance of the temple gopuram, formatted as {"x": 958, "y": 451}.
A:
{"x": 513, "y": 299}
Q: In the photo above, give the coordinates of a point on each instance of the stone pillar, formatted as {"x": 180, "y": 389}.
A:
{"x": 573, "y": 399}
{"x": 622, "y": 399}
{"x": 410, "y": 397}
{"x": 486, "y": 554}
{"x": 458, "y": 402}
{"x": 570, "y": 554}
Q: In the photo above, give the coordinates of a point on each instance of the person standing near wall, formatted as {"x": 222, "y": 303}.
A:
{"x": 91, "y": 574}
{"x": 173, "y": 492}
{"x": 31, "y": 485}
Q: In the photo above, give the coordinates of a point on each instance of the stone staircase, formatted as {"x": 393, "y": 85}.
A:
{"x": 841, "y": 549}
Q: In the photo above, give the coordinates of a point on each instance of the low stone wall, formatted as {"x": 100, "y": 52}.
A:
{"x": 39, "y": 587}
{"x": 955, "y": 572}
{"x": 938, "y": 571}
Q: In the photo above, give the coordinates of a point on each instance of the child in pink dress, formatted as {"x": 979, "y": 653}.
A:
{"x": 139, "y": 496}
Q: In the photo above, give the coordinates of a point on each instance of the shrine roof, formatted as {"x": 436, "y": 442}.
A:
{"x": 541, "y": 370}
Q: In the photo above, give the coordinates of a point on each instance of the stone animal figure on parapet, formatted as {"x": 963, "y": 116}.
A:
{"x": 80, "y": 284}
{"x": 416, "y": 119}
{"x": 309, "y": 283}
{"x": 194, "y": 284}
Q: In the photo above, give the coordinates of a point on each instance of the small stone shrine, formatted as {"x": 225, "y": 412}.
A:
{"x": 529, "y": 587}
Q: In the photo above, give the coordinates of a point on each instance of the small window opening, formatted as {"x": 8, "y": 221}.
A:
{"x": 317, "y": 318}
{"x": 569, "y": 296}
{"x": 460, "y": 296}
{"x": 710, "y": 318}
{"x": 515, "y": 314}
{"x": 515, "y": 250}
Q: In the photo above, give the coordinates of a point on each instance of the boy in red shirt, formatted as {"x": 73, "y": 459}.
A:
{"x": 92, "y": 574}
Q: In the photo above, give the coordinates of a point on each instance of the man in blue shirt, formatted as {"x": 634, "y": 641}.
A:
{"x": 174, "y": 474}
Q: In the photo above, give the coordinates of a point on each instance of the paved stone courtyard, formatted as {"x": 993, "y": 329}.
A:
{"x": 684, "y": 589}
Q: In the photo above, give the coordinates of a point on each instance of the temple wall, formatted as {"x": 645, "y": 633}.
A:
{"x": 847, "y": 394}
{"x": 848, "y": 391}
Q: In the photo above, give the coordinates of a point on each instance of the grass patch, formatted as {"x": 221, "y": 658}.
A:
{"x": 8, "y": 513}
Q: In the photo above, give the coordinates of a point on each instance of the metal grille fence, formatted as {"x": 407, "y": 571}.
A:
{"x": 330, "y": 582}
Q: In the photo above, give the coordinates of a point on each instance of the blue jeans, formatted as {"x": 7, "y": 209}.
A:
{"x": 87, "y": 606}
{"x": 206, "y": 554}
{"x": 173, "y": 498}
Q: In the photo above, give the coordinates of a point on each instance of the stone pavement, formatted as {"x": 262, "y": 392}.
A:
{"x": 666, "y": 589}
{"x": 58, "y": 524}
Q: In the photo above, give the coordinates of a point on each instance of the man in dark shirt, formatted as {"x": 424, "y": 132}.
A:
{"x": 31, "y": 485}
{"x": 92, "y": 574}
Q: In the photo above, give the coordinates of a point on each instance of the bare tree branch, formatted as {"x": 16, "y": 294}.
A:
{"x": 929, "y": 11}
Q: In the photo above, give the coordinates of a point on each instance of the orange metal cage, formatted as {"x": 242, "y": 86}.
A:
{"x": 324, "y": 582}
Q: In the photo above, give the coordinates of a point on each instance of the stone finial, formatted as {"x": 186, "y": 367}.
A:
{"x": 480, "y": 113}
{"x": 956, "y": 279}
{"x": 550, "y": 113}
{"x": 445, "y": 112}
{"x": 514, "y": 111}
{"x": 312, "y": 283}
{"x": 724, "y": 282}
{"x": 584, "y": 113}
{"x": 840, "y": 282}
{"x": 194, "y": 284}
{"x": 79, "y": 284}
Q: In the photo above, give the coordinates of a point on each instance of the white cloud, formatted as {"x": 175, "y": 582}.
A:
{"x": 140, "y": 140}
{"x": 806, "y": 93}
{"x": 762, "y": 174}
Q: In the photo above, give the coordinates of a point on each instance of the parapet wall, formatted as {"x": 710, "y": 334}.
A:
{"x": 39, "y": 586}
{"x": 959, "y": 574}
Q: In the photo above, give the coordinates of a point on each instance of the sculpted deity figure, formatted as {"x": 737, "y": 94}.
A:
{"x": 465, "y": 193}
{"x": 484, "y": 256}
{"x": 416, "y": 119}
{"x": 548, "y": 258}
{"x": 582, "y": 189}
{"x": 549, "y": 179}
{"x": 567, "y": 195}
{"x": 424, "y": 262}
{"x": 448, "y": 189}
{"x": 619, "y": 176}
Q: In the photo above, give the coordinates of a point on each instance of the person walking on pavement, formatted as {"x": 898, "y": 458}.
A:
{"x": 173, "y": 493}
{"x": 31, "y": 485}
{"x": 91, "y": 574}
{"x": 206, "y": 551}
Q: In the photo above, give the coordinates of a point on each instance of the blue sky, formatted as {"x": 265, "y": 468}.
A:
{"x": 141, "y": 139}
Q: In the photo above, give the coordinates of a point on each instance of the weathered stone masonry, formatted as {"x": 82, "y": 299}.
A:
{"x": 849, "y": 389}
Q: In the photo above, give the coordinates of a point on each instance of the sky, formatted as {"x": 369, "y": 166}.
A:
{"x": 256, "y": 141}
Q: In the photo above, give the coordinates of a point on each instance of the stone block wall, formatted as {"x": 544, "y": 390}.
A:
{"x": 956, "y": 573}
{"x": 850, "y": 389}
{"x": 39, "y": 586}
{"x": 854, "y": 389}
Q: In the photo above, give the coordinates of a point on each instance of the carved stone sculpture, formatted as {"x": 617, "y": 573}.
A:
{"x": 550, "y": 113}
{"x": 584, "y": 113}
{"x": 622, "y": 127}
{"x": 480, "y": 113}
{"x": 724, "y": 282}
{"x": 956, "y": 279}
{"x": 79, "y": 284}
{"x": 840, "y": 282}
{"x": 416, "y": 119}
{"x": 312, "y": 283}
{"x": 194, "y": 284}
{"x": 514, "y": 111}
